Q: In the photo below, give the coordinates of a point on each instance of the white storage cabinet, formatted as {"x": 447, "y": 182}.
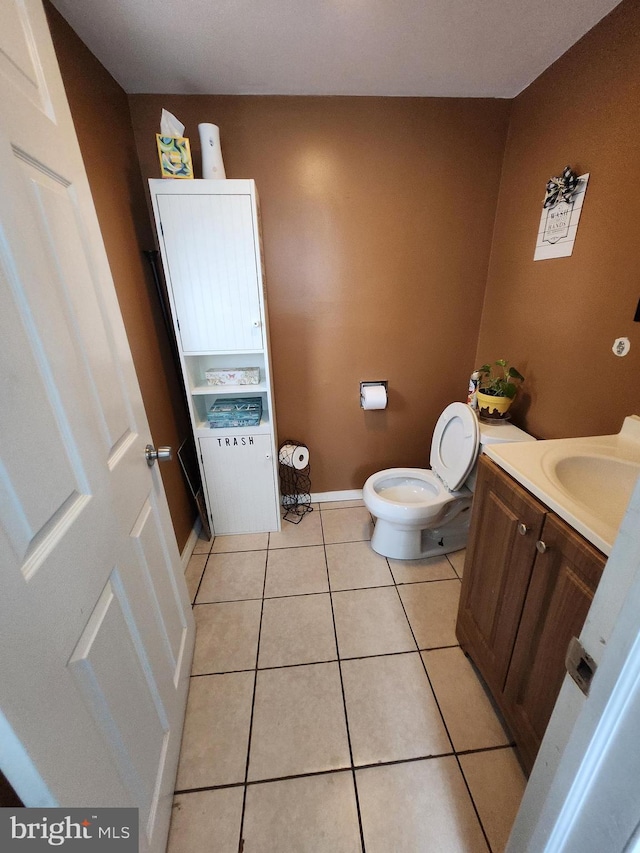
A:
{"x": 209, "y": 239}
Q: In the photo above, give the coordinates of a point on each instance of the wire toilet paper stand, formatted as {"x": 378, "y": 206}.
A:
{"x": 295, "y": 485}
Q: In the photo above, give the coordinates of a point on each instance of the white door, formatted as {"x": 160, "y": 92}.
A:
{"x": 96, "y": 632}
{"x": 210, "y": 248}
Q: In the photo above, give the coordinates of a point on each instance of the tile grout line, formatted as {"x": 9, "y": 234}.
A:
{"x": 316, "y": 662}
{"x": 473, "y": 803}
{"x": 369, "y": 766}
{"x": 444, "y": 723}
{"x": 453, "y": 567}
{"x": 253, "y": 702}
{"x": 322, "y": 592}
{"x": 496, "y": 748}
{"x": 344, "y": 698}
{"x": 313, "y": 773}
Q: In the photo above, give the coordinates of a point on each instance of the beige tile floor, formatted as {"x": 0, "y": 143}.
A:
{"x": 331, "y": 708}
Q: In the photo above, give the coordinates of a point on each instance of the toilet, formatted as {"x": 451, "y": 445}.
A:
{"x": 422, "y": 512}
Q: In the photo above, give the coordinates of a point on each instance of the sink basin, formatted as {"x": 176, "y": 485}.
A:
{"x": 587, "y": 481}
{"x": 603, "y": 484}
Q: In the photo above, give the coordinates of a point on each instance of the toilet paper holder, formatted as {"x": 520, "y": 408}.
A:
{"x": 383, "y": 382}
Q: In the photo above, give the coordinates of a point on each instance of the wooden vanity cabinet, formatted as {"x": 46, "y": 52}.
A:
{"x": 528, "y": 583}
{"x": 505, "y": 524}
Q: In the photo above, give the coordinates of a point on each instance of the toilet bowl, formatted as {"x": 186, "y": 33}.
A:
{"x": 423, "y": 512}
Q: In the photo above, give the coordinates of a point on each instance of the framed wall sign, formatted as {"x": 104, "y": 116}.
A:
{"x": 560, "y": 216}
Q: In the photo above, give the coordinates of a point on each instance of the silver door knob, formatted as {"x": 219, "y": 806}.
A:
{"x": 522, "y": 529}
{"x": 540, "y": 545}
{"x": 162, "y": 454}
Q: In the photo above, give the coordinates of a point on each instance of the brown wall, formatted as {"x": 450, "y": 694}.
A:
{"x": 101, "y": 116}
{"x": 377, "y": 216}
{"x": 557, "y": 319}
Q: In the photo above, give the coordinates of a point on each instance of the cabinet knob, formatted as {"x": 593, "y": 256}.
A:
{"x": 540, "y": 545}
{"x": 257, "y": 324}
{"x": 268, "y": 456}
{"x": 523, "y": 529}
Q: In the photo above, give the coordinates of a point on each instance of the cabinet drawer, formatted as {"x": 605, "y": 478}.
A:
{"x": 240, "y": 481}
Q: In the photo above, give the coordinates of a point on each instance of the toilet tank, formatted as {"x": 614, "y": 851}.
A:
{"x": 495, "y": 433}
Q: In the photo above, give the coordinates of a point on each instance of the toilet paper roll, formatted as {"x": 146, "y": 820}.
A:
{"x": 373, "y": 397}
{"x": 212, "y": 165}
{"x": 294, "y": 455}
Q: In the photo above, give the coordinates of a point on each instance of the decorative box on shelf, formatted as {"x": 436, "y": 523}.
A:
{"x": 235, "y": 412}
{"x": 233, "y": 376}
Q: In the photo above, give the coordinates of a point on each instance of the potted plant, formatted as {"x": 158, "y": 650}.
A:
{"x": 499, "y": 384}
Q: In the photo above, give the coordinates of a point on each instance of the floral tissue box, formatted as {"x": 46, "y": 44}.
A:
{"x": 233, "y": 376}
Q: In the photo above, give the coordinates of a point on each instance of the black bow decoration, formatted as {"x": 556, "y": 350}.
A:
{"x": 561, "y": 189}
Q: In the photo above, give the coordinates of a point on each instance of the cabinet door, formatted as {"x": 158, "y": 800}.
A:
{"x": 210, "y": 247}
{"x": 562, "y": 586}
{"x": 497, "y": 569}
{"x": 240, "y": 483}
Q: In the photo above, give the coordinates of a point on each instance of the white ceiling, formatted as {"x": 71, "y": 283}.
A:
{"x": 446, "y": 48}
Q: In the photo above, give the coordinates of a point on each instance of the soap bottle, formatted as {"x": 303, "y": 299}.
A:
{"x": 474, "y": 382}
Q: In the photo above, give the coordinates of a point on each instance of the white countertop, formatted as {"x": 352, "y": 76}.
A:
{"x": 586, "y": 481}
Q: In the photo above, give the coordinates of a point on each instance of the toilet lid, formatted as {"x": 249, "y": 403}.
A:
{"x": 454, "y": 446}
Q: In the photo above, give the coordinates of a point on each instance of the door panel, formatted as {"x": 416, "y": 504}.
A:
{"x": 497, "y": 570}
{"x": 239, "y": 481}
{"x": 563, "y": 583}
{"x": 19, "y": 59}
{"x": 156, "y": 583}
{"x": 36, "y": 423}
{"x": 109, "y": 667}
{"x": 212, "y": 270}
{"x": 61, "y": 228}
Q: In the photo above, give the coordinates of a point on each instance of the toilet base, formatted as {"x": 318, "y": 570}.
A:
{"x": 390, "y": 540}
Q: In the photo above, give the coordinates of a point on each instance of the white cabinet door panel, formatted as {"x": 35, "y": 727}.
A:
{"x": 210, "y": 247}
{"x": 240, "y": 482}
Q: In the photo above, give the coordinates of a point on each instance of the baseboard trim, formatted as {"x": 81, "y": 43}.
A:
{"x": 187, "y": 551}
{"x": 346, "y": 495}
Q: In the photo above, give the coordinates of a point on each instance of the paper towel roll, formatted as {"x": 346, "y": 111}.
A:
{"x": 373, "y": 397}
{"x": 294, "y": 455}
{"x": 212, "y": 165}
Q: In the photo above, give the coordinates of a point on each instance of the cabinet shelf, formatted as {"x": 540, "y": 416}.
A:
{"x": 227, "y": 353}
{"x": 230, "y": 390}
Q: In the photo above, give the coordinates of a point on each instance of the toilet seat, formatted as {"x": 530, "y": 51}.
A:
{"x": 410, "y": 494}
{"x": 455, "y": 444}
